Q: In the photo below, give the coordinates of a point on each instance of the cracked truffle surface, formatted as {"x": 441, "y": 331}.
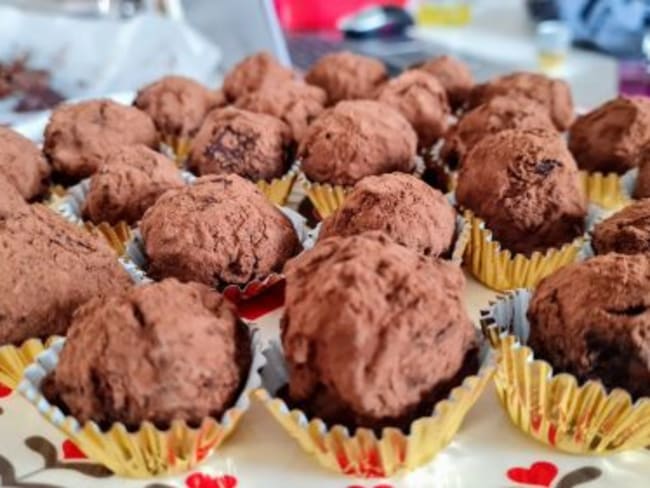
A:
{"x": 553, "y": 94}
{"x": 455, "y": 76}
{"x": 610, "y": 138}
{"x": 625, "y": 232}
{"x": 295, "y": 103}
{"x": 422, "y": 100}
{"x": 49, "y": 267}
{"x": 252, "y": 73}
{"x": 592, "y": 320}
{"x": 355, "y": 139}
{"x": 176, "y": 104}
{"x": 401, "y": 206}
{"x": 526, "y": 187}
{"x": 347, "y": 76}
{"x": 79, "y": 136}
{"x": 220, "y": 230}
{"x": 398, "y": 332}
{"x": 23, "y": 164}
{"x": 256, "y": 146}
{"x": 161, "y": 352}
{"x": 130, "y": 181}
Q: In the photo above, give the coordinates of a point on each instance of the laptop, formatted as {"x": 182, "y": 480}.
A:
{"x": 242, "y": 27}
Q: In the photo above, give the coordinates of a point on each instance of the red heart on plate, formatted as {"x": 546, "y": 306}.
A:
{"x": 5, "y": 391}
{"x": 71, "y": 451}
{"x": 201, "y": 480}
{"x": 539, "y": 474}
{"x": 375, "y": 486}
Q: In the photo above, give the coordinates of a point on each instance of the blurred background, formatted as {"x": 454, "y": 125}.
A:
{"x": 51, "y": 50}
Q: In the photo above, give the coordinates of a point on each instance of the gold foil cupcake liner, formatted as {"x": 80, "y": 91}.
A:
{"x": 149, "y": 451}
{"x": 278, "y": 189}
{"x": 604, "y": 190}
{"x": 362, "y": 453}
{"x": 325, "y": 198}
{"x": 177, "y": 148}
{"x": 14, "y": 359}
{"x": 556, "y": 409}
{"x": 498, "y": 269}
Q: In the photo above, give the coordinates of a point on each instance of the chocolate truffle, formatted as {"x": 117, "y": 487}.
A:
{"x": 396, "y": 341}
{"x": 553, "y": 94}
{"x": 79, "y": 136}
{"x": 22, "y": 164}
{"x": 11, "y": 201}
{"x": 454, "y": 75}
{"x": 625, "y": 232}
{"x": 525, "y": 186}
{"x": 403, "y": 207}
{"x": 347, "y": 76}
{"x": 176, "y": 104}
{"x": 356, "y": 139}
{"x": 592, "y": 320}
{"x": 296, "y": 103}
{"x": 642, "y": 188}
{"x": 161, "y": 352}
{"x": 252, "y": 73}
{"x": 421, "y": 99}
{"x": 610, "y": 138}
{"x": 130, "y": 181}
{"x": 495, "y": 115}
{"x": 253, "y": 145}
{"x": 220, "y": 230}
{"x": 49, "y": 267}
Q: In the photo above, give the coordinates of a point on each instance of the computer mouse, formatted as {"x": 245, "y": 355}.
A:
{"x": 381, "y": 21}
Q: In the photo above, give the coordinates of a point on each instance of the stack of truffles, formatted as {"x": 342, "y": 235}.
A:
{"x": 375, "y": 331}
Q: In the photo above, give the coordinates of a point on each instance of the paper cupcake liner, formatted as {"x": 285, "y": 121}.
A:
{"x": 327, "y": 198}
{"x": 462, "y": 236}
{"x": 556, "y": 409}
{"x": 177, "y": 148}
{"x": 435, "y": 164}
{"x": 628, "y": 184}
{"x": 278, "y": 190}
{"x": 149, "y": 451}
{"x": 605, "y": 190}
{"x": 363, "y": 454}
{"x": 134, "y": 251}
{"x": 498, "y": 269}
{"x": 14, "y": 359}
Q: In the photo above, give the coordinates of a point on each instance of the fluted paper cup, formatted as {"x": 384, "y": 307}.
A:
{"x": 149, "y": 451}
{"x": 502, "y": 270}
{"x": 363, "y": 453}
{"x": 14, "y": 359}
{"x": 605, "y": 190}
{"x": 555, "y": 408}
